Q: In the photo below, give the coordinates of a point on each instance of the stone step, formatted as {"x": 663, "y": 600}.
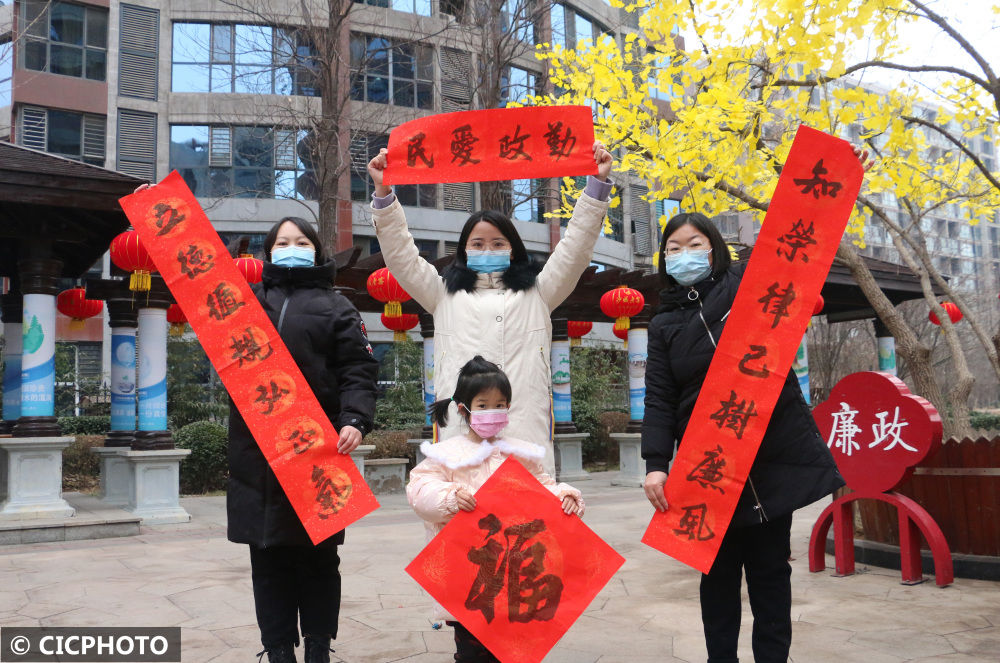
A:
{"x": 93, "y": 520}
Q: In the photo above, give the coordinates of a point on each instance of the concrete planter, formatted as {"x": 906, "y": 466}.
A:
{"x": 386, "y": 476}
{"x": 569, "y": 456}
{"x": 32, "y": 477}
{"x": 359, "y": 454}
{"x": 633, "y": 468}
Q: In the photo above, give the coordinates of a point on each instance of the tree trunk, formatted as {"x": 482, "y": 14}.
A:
{"x": 916, "y": 355}
{"x": 496, "y": 196}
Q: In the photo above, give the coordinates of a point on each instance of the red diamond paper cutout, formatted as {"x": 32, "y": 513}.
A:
{"x": 559, "y": 565}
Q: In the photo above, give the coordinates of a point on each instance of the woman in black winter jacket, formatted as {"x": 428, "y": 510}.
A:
{"x": 793, "y": 467}
{"x": 294, "y": 580}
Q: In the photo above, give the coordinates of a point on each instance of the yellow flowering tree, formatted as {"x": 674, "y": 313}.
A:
{"x": 712, "y": 118}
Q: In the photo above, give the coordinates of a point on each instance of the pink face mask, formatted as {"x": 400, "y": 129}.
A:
{"x": 488, "y": 423}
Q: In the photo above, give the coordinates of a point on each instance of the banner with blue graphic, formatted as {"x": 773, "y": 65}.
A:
{"x": 123, "y": 386}
{"x": 638, "y": 343}
{"x": 428, "y": 378}
{"x": 38, "y": 356}
{"x": 562, "y": 397}
{"x": 152, "y": 342}
{"x": 12, "y": 371}
{"x": 887, "y": 354}
{"x": 801, "y": 367}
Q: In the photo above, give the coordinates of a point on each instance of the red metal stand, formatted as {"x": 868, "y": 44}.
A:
{"x": 913, "y": 521}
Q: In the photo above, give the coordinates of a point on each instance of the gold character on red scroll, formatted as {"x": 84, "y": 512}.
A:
{"x": 300, "y": 435}
{"x": 249, "y": 346}
{"x": 274, "y": 393}
{"x": 169, "y": 215}
{"x": 518, "y": 567}
{"x": 195, "y": 258}
{"x": 331, "y": 489}
{"x": 223, "y": 301}
{"x": 796, "y": 240}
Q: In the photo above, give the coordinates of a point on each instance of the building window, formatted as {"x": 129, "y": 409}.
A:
{"x": 244, "y": 161}
{"x": 570, "y": 28}
{"x": 515, "y": 85}
{"x": 65, "y": 39}
{"x": 77, "y": 136}
{"x": 384, "y": 72}
{"x": 6, "y": 73}
{"x": 242, "y": 59}
{"x": 364, "y": 148}
{"x": 419, "y": 7}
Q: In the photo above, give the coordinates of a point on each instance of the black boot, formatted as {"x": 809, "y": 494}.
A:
{"x": 317, "y": 649}
{"x": 279, "y": 654}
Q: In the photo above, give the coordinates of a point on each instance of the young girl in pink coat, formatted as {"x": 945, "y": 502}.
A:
{"x": 454, "y": 469}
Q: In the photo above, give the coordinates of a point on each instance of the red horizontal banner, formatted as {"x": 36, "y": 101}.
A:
{"x": 495, "y": 144}
{"x": 791, "y": 258}
{"x": 295, "y": 435}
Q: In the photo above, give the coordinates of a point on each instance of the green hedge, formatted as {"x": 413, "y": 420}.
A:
{"x": 81, "y": 469}
{"x": 86, "y": 425}
{"x": 206, "y": 468}
{"x": 985, "y": 420}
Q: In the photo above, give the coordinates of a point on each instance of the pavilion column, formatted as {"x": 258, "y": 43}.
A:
{"x": 427, "y": 334}
{"x": 123, "y": 319}
{"x": 151, "y": 341}
{"x": 638, "y": 342}
{"x": 633, "y": 469}
{"x": 39, "y": 283}
{"x": 800, "y": 366}
{"x": 886, "y": 348}
{"x": 567, "y": 441}
{"x": 11, "y": 305}
{"x": 32, "y": 459}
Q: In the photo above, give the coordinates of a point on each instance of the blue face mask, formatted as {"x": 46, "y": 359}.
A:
{"x": 688, "y": 266}
{"x": 294, "y": 256}
{"x": 487, "y": 261}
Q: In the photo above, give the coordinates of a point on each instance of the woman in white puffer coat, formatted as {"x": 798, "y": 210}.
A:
{"x": 493, "y": 300}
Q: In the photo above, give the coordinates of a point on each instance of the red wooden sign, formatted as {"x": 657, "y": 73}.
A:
{"x": 298, "y": 440}
{"x": 877, "y": 430}
{"x": 517, "y": 571}
{"x": 803, "y": 226}
{"x": 495, "y": 144}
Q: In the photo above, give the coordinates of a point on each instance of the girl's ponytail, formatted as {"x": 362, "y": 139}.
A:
{"x": 439, "y": 412}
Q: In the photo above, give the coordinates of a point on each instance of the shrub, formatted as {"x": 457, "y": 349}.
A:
{"x": 84, "y": 425}
{"x": 598, "y": 387}
{"x": 194, "y": 391}
{"x": 391, "y": 444}
{"x": 985, "y": 421}
{"x": 401, "y": 405}
{"x": 206, "y": 468}
{"x": 81, "y": 469}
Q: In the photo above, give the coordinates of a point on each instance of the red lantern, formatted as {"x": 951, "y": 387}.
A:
{"x": 621, "y": 304}
{"x": 251, "y": 268}
{"x": 384, "y": 287}
{"x": 400, "y": 324}
{"x": 818, "y": 306}
{"x": 128, "y": 253}
{"x": 577, "y": 329}
{"x": 953, "y": 313}
{"x": 74, "y": 303}
{"x": 622, "y": 334}
{"x": 177, "y": 320}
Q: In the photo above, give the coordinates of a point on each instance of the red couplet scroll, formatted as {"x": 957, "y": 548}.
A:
{"x": 298, "y": 440}
{"x": 802, "y": 229}
{"x": 516, "y": 571}
{"x": 495, "y": 144}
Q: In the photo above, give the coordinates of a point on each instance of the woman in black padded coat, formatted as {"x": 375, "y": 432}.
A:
{"x": 294, "y": 580}
{"x": 792, "y": 469}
